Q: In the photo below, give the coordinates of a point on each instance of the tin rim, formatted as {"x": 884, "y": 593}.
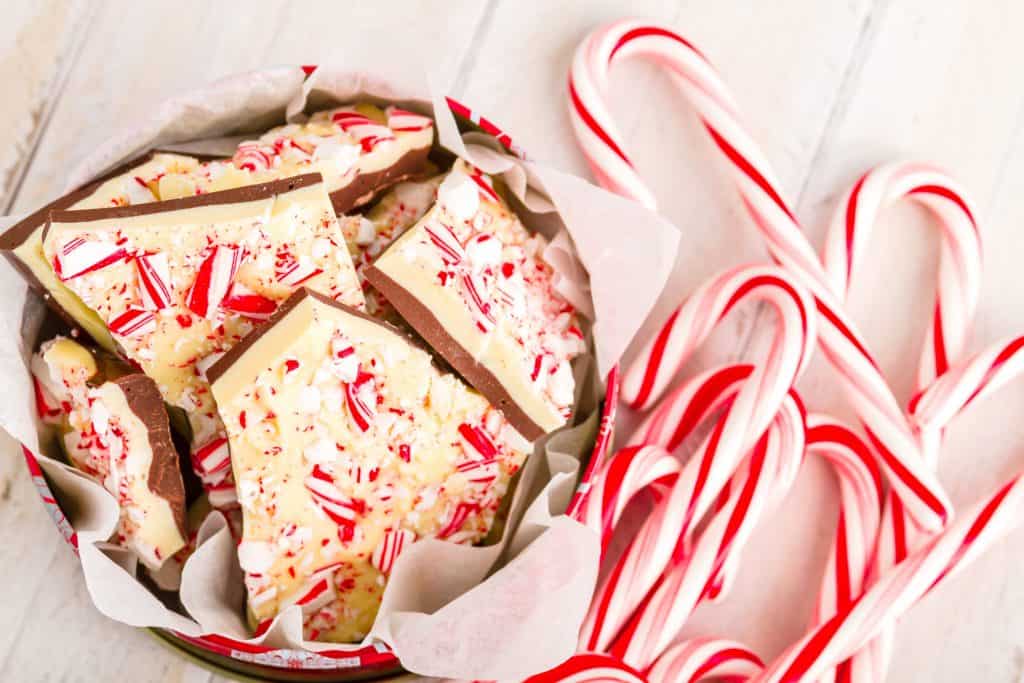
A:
{"x": 235, "y": 659}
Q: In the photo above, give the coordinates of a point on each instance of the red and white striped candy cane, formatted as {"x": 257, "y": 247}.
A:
{"x": 845, "y": 574}
{"x": 680, "y": 412}
{"x": 860, "y": 505}
{"x": 756, "y": 403}
{"x": 901, "y": 587}
{"x": 591, "y": 667}
{"x": 629, "y": 472}
{"x": 914, "y": 483}
{"x": 959, "y": 285}
{"x": 765, "y": 476}
{"x": 701, "y": 659}
{"x": 975, "y": 378}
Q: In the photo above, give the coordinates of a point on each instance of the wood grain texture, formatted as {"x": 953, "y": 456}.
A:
{"x": 829, "y": 88}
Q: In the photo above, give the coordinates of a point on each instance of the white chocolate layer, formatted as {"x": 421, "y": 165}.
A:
{"x": 132, "y": 187}
{"x": 278, "y": 239}
{"x": 348, "y": 444}
{"x": 105, "y": 439}
{"x": 480, "y": 273}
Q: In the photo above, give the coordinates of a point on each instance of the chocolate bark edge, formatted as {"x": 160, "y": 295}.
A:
{"x": 215, "y": 371}
{"x": 144, "y": 400}
{"x": 366, "y": 186}
{"x": 15, "y": 236}
{"x": 237, "y": 195}
{"x": 430, "y": 328}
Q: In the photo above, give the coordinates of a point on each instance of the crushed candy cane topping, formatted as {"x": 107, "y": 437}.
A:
{"x": 176, "y": 290}
{"x": 472, "y": 245}
{"x": 105, "y": 440}
{"x": 372, "y": 449}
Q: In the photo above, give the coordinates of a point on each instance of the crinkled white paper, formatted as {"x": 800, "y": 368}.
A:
{"x": 502, "y": 611}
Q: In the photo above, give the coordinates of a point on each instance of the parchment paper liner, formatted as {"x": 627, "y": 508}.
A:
{"x": 498, "y": 612}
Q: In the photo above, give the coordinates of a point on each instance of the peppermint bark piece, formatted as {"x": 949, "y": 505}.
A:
{"x": 179, "y": 282}
{"x": 472, "y": 281}
{"x": 360, "y": 150}
{"x": 136, "y": 182}
{"x": 117, "y": 432}
{"x": 368, "y": 236}
{"x": 348, "y": 444}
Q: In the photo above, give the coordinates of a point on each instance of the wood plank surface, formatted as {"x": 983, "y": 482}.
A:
{"x": 829, "y": 88}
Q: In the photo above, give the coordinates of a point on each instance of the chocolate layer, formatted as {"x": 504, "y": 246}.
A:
{"x": 215, "y": 371}
{"x": 165, "y": 481}
{"x": 238, "y": 195}
{"x": 16, "y": 235}
{"x": 366, "y": 186}
{"x": 423, "y": 320}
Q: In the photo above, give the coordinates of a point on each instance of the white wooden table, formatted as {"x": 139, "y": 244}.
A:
{"x": 828, "y": 87}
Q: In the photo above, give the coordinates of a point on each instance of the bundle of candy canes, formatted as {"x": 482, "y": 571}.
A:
{"x": 897, "y": 537}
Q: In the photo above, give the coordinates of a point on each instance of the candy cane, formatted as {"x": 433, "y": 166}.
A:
{"x": 765, "y": 476}
{"x": 960, "y": 265}
{"x": 902, "y": 585}
{"x": 850, "y": 558}
{"x": 590, "y": 668}
{"x": 974, "y": 379}
{"x": 705, "y": 658}
{"x": 898, "y": 589}
{"x": 631, "y": 471}
{"x": 959, "y": 284}
{"x": 679, "y": 413}
{"x": 749, "y": 414}
{"x": 914, "y": 483}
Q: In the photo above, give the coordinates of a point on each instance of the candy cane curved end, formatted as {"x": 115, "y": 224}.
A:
{"x": 659, "y": 360}
{"x": 590, "y": 667}
{"x": 702, "y": 659}
{"x": 960, "y": 267}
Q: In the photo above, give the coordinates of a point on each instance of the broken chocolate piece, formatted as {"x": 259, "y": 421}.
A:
{"x": 347, "y": 445}
{"x": 117, "y": 432}
{"x": 132, "y": 183}
{"x": 472, "y": 281}
{"x": 360, "y": 150}
{"x": 179, "y": 282}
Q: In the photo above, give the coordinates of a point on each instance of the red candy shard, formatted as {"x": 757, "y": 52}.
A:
{"x": 367, "y": 132}
{"x": 390, "y": 547}
{"x": 477, "y": 443}
{"x": 474, "y": 290}
{"x": 341, "y": 509}
{"x": 154, "y": 281}
{"x": 47, "y": 406}
{"x": 486, "y": 188}
{"x": 212, "y": 458}
{"x": 248, "y": 304}
{"x": 480, "y": 472}
{"x": 252, "y": 156}
{"x": 213, "y": 281}
{"x": 292, "y": 273}
{"x": 458, "y": 518}
{"x": 361, "y": 397}
{"x": 134, "y": 322}
{"x": 400, "y": 120}
{"x": 80, "y": 257}
{"x": 447, "y": 243}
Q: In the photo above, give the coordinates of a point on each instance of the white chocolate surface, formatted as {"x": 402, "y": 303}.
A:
{"x": 343, "y": 437}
